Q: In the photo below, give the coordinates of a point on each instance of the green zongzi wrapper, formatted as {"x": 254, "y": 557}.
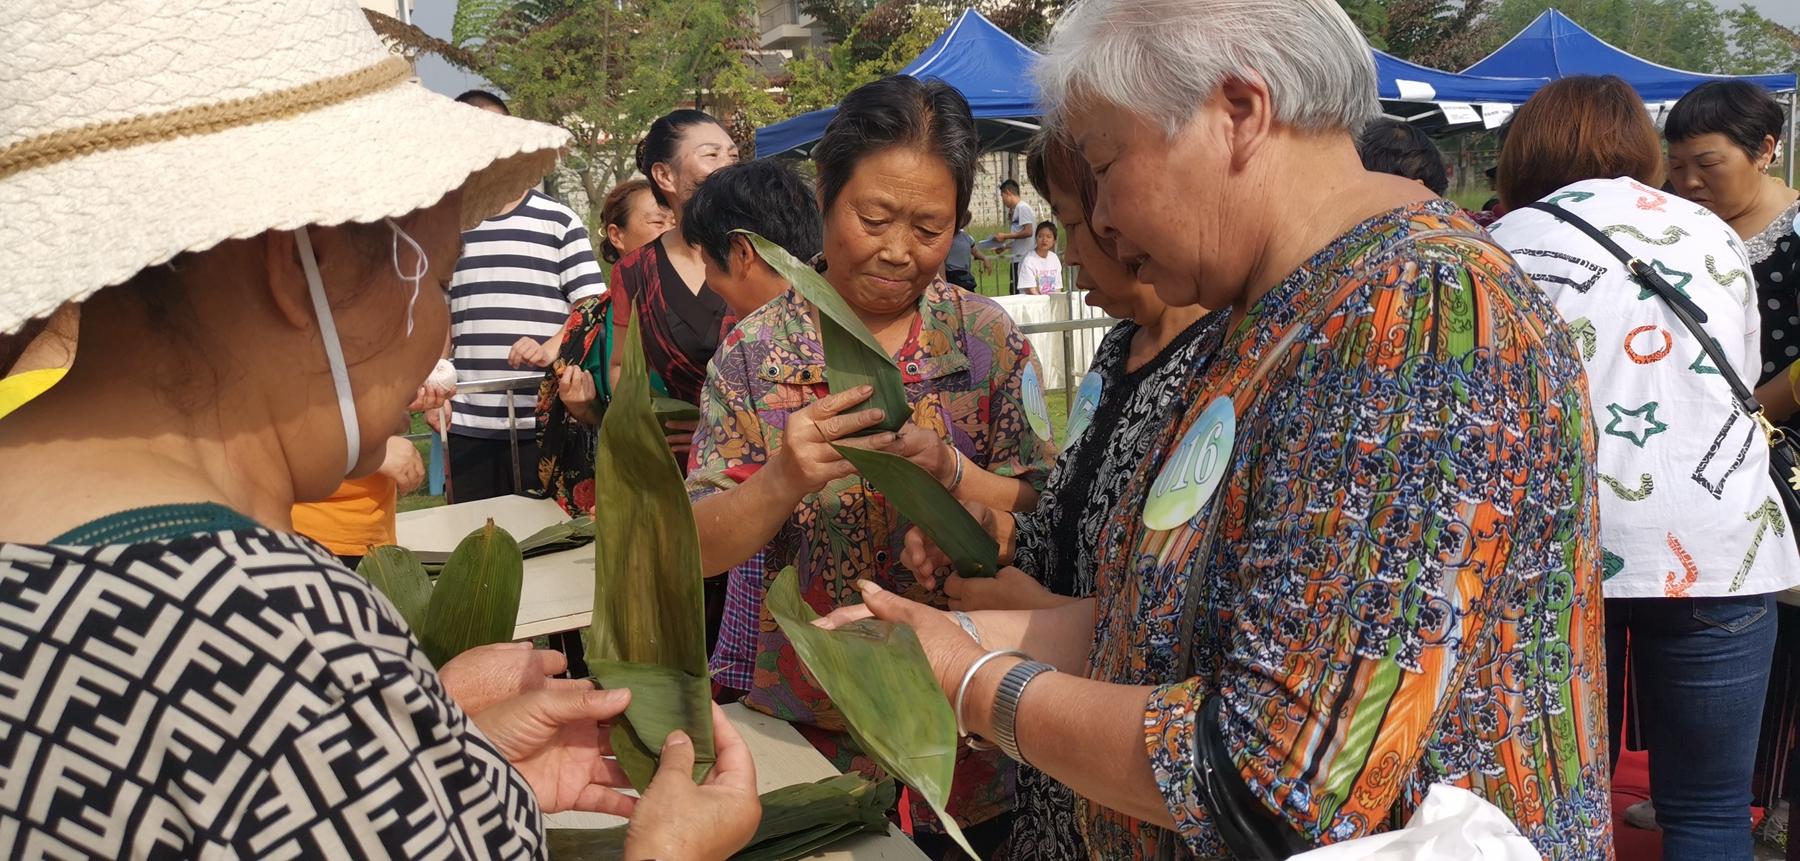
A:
{"x": 649, "y": 628}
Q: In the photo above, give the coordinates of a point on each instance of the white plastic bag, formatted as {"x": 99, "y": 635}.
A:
{"x": 1453, "y": 824}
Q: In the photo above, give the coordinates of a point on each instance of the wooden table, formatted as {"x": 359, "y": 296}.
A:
{"x": 558, "y": 590}
{"x": 783, "y": 758}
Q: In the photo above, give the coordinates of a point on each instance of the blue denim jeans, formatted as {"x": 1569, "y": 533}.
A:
{"x": 1700, "y": 669}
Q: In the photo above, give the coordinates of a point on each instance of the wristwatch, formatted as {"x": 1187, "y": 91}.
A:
{"x": 1006, "y": 704}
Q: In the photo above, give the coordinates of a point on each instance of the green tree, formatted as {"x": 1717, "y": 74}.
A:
{"x": 1760, "y": 46}
{"x": 604, "y": 69}
{"x": 1438, "y": 33}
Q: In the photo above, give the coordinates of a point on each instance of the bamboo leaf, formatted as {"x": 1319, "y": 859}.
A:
{"x": 925, "y": 502}
{"x": 852, "y": 355}
{"x": 558, "y": 537}
{"x": 673, "y": 410}
{"x": 476, "y": 600}
{"x": 876, "y": 674}
{"x": 396, "y": 573}
{"x": 649, "y": 629}
{"x": 797, "y": 821}
{"x": 675, "y": 698}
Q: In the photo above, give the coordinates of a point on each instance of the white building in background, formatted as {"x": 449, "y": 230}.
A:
{"x": 783, "y": 26}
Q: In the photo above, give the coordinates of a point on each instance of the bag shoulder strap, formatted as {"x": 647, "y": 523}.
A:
{"x": 1686, "y": 311}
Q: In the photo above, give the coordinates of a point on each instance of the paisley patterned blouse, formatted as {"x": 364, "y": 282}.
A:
{"x": 1385, "y": 561}
{"x": 965, "y": 365}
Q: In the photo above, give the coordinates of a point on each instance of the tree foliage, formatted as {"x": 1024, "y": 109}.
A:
{"x": 604, "y": 69}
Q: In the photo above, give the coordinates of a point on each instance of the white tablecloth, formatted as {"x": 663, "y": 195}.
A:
{"x": 558, "y": 589}
{"x": 1025, "y": 310}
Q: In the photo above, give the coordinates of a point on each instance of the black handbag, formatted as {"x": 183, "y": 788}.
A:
{"x": 1784, "y": 457}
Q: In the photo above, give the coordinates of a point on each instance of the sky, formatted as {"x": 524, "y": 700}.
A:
{"x": 1783, "y": 12}
{"x": 433, "y": 16}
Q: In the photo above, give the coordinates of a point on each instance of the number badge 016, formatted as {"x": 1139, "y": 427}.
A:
{"x": 1087, "y": 400}
{"x": 1191, "y": 476}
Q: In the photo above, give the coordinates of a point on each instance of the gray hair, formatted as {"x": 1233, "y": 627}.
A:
{"x": 1161, "y": 59}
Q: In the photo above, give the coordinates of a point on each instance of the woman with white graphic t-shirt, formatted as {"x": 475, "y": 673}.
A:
{"x": 1694, "y": 535}
{"x": 1040, "y": 273}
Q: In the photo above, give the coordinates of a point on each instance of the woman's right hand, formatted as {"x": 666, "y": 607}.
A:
{"x": 927, "y": 562}
{"x": 677, "y": 820}
{"x": 806, "y": 461}
{"x": 575, "y": 388}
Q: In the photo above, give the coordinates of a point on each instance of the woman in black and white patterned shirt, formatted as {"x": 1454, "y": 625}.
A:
{"x": 1125, "y": 401}
{"x": 277, "y": 211}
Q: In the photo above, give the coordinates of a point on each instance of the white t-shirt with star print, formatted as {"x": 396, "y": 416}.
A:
{"x": 1687, "y": 505}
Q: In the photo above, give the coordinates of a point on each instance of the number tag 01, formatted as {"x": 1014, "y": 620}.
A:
{"x": 1191, "y": 476}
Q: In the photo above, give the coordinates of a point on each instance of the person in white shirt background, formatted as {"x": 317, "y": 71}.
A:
{"x": 1023, "y": 225}
{"x": 1041, "y": 270}
{"x": 1694, "y": 535}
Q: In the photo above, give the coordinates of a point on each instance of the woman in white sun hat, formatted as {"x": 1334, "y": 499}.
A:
{"x": 258, "y": 213}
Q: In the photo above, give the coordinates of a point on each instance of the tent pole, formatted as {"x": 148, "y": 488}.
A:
{"x": 1793, "y": 125}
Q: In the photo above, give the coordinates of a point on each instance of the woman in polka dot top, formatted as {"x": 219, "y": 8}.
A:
{"x": 1723, "y": 137}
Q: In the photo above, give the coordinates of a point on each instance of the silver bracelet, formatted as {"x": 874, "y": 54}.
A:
{"x": 1006, "y": 705}
{"x": 962, "y": 691}
{"x": 968, "y": 625}
{"x": 956, "y": 477}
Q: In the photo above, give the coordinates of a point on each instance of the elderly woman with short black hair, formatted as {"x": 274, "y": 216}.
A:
{"x": 1365, "y": 562}
{"x": 896, "y": 167}
{"x": 1723, "y": 136}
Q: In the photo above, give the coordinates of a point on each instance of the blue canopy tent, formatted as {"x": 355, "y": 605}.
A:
{"x": 1556, "y": 47}
{"x": 1399, "y": 80}
{"x": 1458, "y": 99}
{"x": 989, "y": 66}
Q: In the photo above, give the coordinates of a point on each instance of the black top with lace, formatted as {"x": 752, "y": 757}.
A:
{"x": 1057, "y": 541}
{"x": 1775, "y": 264}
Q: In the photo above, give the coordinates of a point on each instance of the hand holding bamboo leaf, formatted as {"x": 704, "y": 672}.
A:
{"x": 486, "y": 675}
{"x": 677, "y": 818}
{"x": 649, "y": 630}
{"x": 558, "y": 740}
{"x": 807, "y": 459}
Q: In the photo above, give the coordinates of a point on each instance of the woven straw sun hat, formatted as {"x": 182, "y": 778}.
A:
{"x": 134, "y": 130}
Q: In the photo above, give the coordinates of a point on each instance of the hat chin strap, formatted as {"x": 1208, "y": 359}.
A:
{"x": 334, "y": 352}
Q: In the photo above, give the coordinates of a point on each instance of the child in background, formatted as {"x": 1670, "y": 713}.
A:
{"x": 1040, "y": 272}
{"x": 959, "y": 266}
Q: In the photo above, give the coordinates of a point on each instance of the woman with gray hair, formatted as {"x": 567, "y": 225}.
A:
{"x": 1365, "y": 561}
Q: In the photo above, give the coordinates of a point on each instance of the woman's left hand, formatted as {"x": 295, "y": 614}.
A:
{"x": 926, "y": 450}
{"x": 485, "y": 675}
{"x": 559, "y": 740}
{"x": 946, "y": 645}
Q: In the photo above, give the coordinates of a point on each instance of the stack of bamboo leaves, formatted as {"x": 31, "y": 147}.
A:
{"x": 797, "y": 821}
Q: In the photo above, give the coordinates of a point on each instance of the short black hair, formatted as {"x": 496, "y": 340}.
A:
{"x": 1743, "y": 112}
{"x": 764, "y": 197}
{"x": 658, "y": 145}
{"x": 1011, "y": 185}
{"x": 1046, "y": 225}
{"x": 1402, "y": 149}
{"x": 899, "y": 110}
{"x": 477, "y": 98}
